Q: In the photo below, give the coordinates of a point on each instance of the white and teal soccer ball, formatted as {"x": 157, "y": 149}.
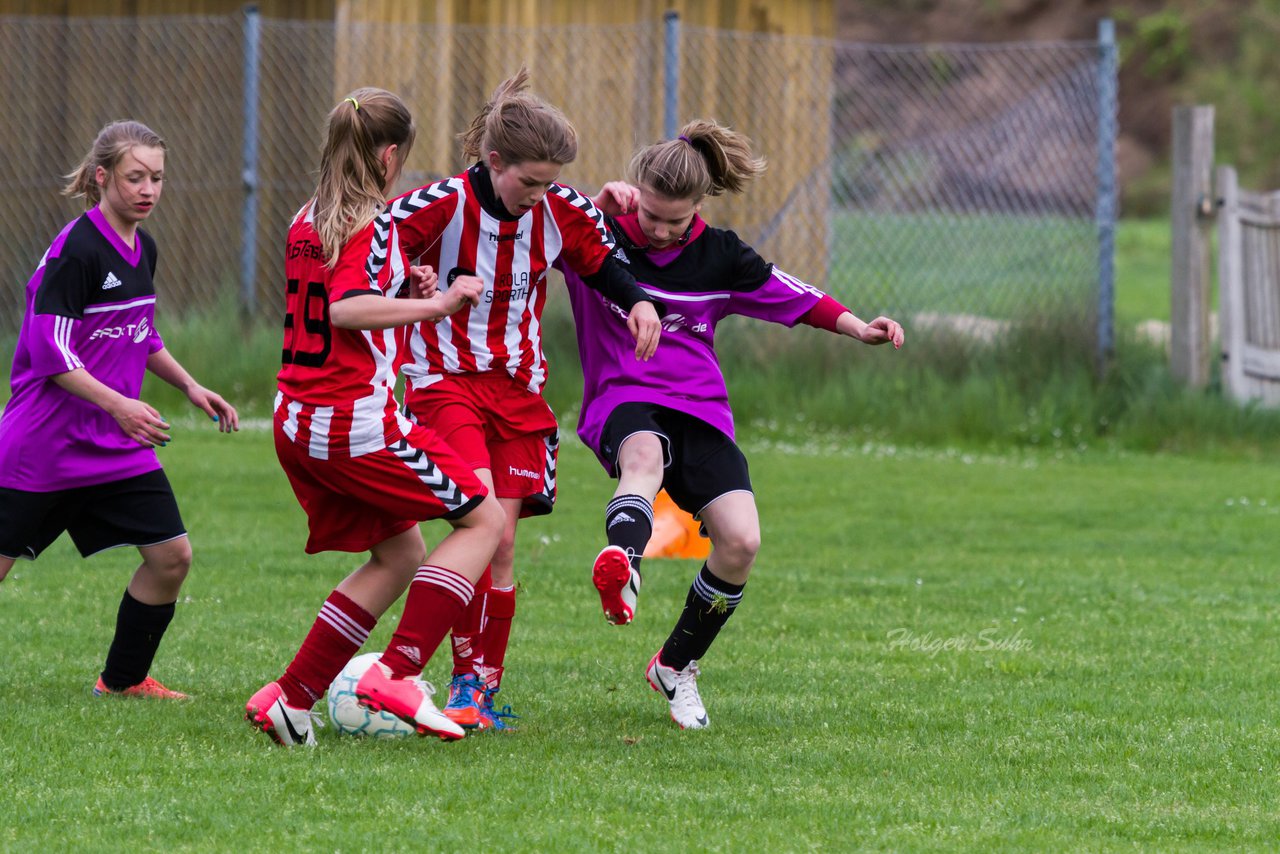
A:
{"x": 348, "y": 716}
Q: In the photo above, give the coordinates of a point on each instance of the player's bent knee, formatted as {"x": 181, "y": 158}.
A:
{"x": 487, "y": 516}
{"x": 171, "y": 560}
{"x": 739, "y": 547}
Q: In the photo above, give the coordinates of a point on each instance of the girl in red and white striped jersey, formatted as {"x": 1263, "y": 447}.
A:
{"x": 477, "y": 377}
{"x": 362, "y": 472}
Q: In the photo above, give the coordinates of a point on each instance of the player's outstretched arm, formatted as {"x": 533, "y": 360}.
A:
{"x": 882, "y": 330}
{"x": 374, "y": 311}
{"x": 163, "y": 365}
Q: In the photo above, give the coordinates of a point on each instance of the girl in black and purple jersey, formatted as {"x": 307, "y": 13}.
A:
{"x": 666, "y": 423}
{"x": 77, "y": 446}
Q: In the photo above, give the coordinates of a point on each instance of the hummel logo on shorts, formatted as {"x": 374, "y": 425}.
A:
{"x": 111, "y": 282}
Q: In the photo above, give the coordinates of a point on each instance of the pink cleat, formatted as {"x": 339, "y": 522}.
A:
{"x": 407, "y": 699}
{"x": 618, "y": 583}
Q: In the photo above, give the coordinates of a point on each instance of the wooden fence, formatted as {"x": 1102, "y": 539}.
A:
{"x": 1249, "y": 283}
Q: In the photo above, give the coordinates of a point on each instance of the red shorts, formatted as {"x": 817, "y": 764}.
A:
{"x": 495, "y": 423}
{"x": 354, "y": 503}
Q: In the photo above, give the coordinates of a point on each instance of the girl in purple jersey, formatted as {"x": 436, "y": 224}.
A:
{"x": 77, "y": 446}
{"x": 666, "y": 423}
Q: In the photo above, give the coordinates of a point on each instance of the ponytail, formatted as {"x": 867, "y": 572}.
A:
{"x": 520, "y": 126}
{"x": 706, "y": 159}
{"x": 113, "y": 142}
{"x": 351, "y": 190}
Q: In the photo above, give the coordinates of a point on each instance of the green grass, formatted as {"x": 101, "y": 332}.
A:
{"x": 1142, "y": 270}
{"x": 1130, "y": 707}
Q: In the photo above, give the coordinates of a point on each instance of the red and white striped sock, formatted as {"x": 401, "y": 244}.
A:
{"x": 436, "y": 599}
{"x": 499, "y": 608}
{"x": 468, "y": 651}
{"x": 339, "y": 631}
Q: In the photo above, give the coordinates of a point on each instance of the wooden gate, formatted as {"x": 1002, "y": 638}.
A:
{"x": 1249, "y": 298}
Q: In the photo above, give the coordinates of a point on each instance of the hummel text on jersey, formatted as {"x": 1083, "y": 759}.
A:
{"x": 111, "y": 282}
{"x": 502, "y": 238}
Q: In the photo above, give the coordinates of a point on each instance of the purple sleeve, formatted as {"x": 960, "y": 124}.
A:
{"x": 154, "y": 342}
{"x": 781, "y": 298}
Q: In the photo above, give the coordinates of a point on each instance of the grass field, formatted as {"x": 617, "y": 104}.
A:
{"x": 1030, "y": 650}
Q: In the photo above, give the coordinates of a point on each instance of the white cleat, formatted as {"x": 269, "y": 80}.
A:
{"x": 266, "y": 710}
{"x": 680, "y": 687}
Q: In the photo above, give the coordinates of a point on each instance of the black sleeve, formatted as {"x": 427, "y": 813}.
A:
{"x": 750, "y": 271}
{"x": 617, "y": 284}
{"x": 64, "y": 288}
{"x": 149, "y": 246}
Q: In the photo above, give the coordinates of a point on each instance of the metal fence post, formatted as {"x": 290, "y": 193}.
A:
{"x": 1106, "y": 214}
{"x": 249, "y": 161}
{"x": 671, "y": 75}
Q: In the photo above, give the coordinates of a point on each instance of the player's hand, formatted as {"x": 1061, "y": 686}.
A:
{"x": 423, "y": 281}
{"x": 463, "y": 291}
{"x": 617, "y": 197}
{"x": 646, "y": 328}
{"x": 882, "y": 330}
{"x": 215, "y": 407}
{"x": 141, "y": 423}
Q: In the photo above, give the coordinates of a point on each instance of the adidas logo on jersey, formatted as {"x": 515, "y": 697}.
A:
{"x": 111, "y": 282}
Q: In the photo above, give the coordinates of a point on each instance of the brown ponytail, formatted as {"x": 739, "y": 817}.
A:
{"x": 704, "y": 160}
{"x": 520, "y": 126}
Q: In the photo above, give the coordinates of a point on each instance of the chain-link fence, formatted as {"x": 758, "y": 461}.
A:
{"x": 958, "y": 187}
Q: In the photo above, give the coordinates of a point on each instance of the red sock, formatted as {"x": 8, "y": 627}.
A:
{"x": 436, "y": 599}
{"x": 339, "y": 631}
{"x": 468, "y": 653}
{"x": 499, "y": 608}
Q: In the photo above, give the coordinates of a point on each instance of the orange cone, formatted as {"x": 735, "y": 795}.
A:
{"x": 675, "y": 532}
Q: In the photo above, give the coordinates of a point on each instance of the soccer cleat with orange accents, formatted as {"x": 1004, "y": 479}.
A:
{"x": 408, "y": 699}
{"x": 146, "y": 688}
{"x": 466, "y": 696}
{"x": 498, "y": 720}
{"x": 283, "y": 724}
{"x": 618, "y": 583}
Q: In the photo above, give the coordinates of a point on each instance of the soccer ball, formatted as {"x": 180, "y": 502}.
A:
{"x": 348, "y": 716}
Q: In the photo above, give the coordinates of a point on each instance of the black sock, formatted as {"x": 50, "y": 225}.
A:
{"x": 139, "y": 629}
{"x": 628, "y": 524}
{"x": 710, "y": 603}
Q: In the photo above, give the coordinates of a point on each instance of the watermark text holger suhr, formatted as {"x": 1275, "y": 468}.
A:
{"x": 987, "y": 640}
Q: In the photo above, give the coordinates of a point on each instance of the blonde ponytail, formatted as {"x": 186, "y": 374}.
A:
{"x": 351, "y": 189}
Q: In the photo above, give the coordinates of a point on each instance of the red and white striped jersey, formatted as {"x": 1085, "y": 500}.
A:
{"x": 446, "y": 225}
{"x": 337, "y": 386}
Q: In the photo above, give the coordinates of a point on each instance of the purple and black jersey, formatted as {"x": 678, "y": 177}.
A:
{"x": 712, "y": 276}
{"x": 91, "y": 305}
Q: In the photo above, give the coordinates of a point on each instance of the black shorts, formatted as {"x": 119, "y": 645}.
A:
{"x": 700, "y": 463}
{"x": 137, "y": 511}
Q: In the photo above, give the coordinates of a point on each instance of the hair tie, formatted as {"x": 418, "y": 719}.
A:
{"x": 354, "y": 103}
{"x": 685, "y": 138}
